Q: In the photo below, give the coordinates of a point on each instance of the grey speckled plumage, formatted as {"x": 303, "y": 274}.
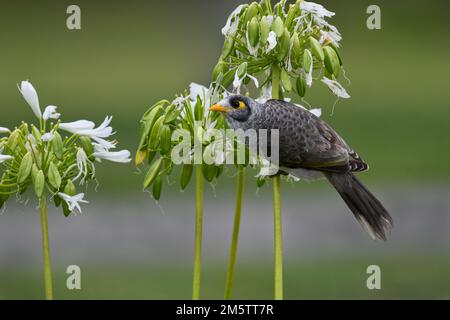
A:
{"x": 307, "y": 144}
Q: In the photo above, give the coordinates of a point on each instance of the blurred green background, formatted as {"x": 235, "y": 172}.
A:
{"x": 130, "y": 54}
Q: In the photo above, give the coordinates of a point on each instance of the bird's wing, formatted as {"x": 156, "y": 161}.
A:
{"x": 306, "y": 141}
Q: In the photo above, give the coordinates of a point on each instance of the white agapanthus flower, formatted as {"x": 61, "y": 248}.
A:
{"x": 47, "y": 137}
{"x": 31, "y": 97}
{"x": 267, "y": 168}
{"x": 309, "y": 72}
{"x": 272, "y": 41}
{"x": 336, "y": 88}
{"x": 4, "y": 157}
{"x": 50, "y": 113}
{"x": 315, "y": 9}
{"x": 83, "y": 164}
{"x": 122, "y": 156}
{"x": 73, "y": 201}
{"x": 266, "y": 93}
{"x": 4, "y": 130}
{"x": 237, "y": 82}
{"x": 231, "y": 26}
{"x": 87, "y": 128}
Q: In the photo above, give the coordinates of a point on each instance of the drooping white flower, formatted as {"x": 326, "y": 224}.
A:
{"x": 4, "y": 157}
{"x": 73, "y": 201}
{"x": 309, "y": 72}
{"x": 199, "y": 91}
{"x": 50, "y": 112}
{"x": 316, "y": 111}
{"x": 252, "y": 50}
{"x": 231, "y": 26}
{"x": 83, "y": 164}
{"x": 87, "y": 128}
{"x": 336, "y": 88}
{"x": 4, "y": 130}
{"x": 267, "y": 168}
{"x": 122, "y": 156}
{"x": 30, "y": 95}
{"x": 30, "y": 144}
{"x": 47, "y": 137}
{"x": 315, "y": 9}
{"x": 332, "y": 35}
{"x": 237, "y": 82}
{"x": 272, "y": 41}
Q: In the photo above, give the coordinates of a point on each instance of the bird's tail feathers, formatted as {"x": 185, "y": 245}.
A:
{"x": 366, "y": 208}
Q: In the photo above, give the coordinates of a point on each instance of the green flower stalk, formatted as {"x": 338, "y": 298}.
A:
{"x": 45, "y": 159}
{"x": 282, "y": 49}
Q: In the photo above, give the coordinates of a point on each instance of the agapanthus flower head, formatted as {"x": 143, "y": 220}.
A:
{"x": 297, "y": 38}
{"x": 47, "y": 160}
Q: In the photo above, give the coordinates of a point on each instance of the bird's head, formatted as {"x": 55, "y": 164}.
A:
{"x": 236, "y": 107}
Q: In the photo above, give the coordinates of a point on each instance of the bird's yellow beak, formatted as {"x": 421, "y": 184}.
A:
{"x": 219, "y": 108}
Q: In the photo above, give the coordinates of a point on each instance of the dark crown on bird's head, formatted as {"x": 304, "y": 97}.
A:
{"x": 237, "y": 107}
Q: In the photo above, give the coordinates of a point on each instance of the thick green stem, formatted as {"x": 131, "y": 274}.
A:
{"x": 46, "y": 250}
{"x": 278, "y": 239}
{"x": 235, "y": 237}
{"x": 198, "y": 231}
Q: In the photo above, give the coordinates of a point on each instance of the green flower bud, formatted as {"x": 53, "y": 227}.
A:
{"x": 293, "y": 11}
{"x": 316, "y": 48}
{"x": 251, "y": 12}
{"x": 53, "y": 176}
{"x": 57, "y": 145}
{"x": 186, "y": 174}
{"x": 34, "y": 172}
{"x": 220, "y": 68}
{"x": 277, "y": 27}
{"x": 152, "y": 173}
{"x": 87, "y": 146}
{"x": 153, "y": 142}
{"x": 264, "y": 30}
{"x": 70, "y": 188}
{"x": 25, "y": 168}
{"x": 242, "y": 69}
{"x": 331, "y": 61}
{"x": 296, "y": 52}
{"x": 307, "y": 61}
{"x": 165, "y": 139}
{"x": 39, "y": 183}
{"x": 140, "y": 157}
{"x": 24, "y": 129}
{"x": 301, "y": 86}
{"x": 260, "y": 182}
{"x": 13, "y": 140}
{"x": 228, "y": 46}
{"x": 209, "y": 172}
{"x": 157, "y": 186}
{"x": 36, "y": 133}
{"x": 337, "y": 52}
{"x": 283, "y": 46}
{"x": 285, "y": 80}
{"x": 253, "y": 32}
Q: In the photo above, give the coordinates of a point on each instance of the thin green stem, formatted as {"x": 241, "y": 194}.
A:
{"x": 46, "y": 250}
{"x": 278, "y": 238}
{"x": 235, "y": 237}
{"x": 198, "y": 231}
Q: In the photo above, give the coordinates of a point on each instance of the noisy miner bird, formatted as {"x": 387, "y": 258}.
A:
{"x": 310, "y": 148}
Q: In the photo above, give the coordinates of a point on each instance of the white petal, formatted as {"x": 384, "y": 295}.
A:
{"x": 47, "y": 137}
{"x": 232, "y": 22}
{"x": 317, "y": 112}
{"x": 4, "y": 130}
{"x": 272, "y": 41}
{"x": 4, "y": 158}
{"x": 50, "y": 112}
{"x": 315, "y": 9}
{"x": 75, "y": 126}
{"x": 122, "y": 156}
{"x": 31, "y": 97}
{"x": 336, "y": 88}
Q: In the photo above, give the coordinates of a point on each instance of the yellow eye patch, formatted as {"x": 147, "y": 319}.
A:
{"x": 241, "y": 105}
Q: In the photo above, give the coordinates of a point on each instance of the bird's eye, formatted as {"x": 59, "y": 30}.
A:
{"x": 237, "y": 104}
